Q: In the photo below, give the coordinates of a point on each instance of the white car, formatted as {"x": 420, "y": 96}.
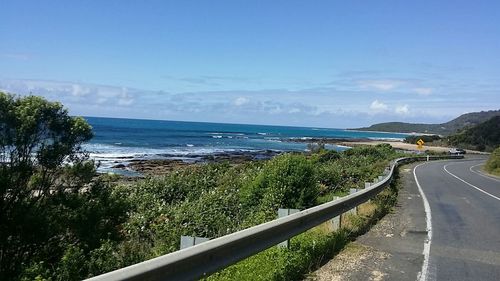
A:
{"x": 456, "y": 151}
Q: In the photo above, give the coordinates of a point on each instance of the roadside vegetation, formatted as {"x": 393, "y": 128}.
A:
{"x": 59, "y": 221}
{"x": 484, "y": 136}
{"x": 493, "y": 164}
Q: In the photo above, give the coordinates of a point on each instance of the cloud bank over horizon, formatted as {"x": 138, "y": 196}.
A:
{"x": 344, "y": 103}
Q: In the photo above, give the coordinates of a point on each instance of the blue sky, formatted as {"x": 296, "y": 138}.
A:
{"x": 311, "y": 63}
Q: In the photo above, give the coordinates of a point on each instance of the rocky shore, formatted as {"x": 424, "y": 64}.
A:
{"x": 169, "y": 163}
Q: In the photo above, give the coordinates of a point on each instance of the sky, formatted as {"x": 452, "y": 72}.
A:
{"x": 339, "y": 64}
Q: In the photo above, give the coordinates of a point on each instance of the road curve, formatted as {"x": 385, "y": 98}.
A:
{"x": 464, "y": 221}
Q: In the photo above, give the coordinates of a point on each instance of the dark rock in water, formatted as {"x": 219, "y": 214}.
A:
{"x": 164, "y": 166}
{"x": 119, "y": 166}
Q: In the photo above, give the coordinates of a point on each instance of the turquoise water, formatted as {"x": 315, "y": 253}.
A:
{"x": 121, "y": 140}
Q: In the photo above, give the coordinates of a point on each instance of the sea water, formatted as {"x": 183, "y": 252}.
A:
{"x": 118, "y": 140}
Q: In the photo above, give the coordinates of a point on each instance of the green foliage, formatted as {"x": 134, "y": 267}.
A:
{"x": 52, "y": 213}
{"x": 287, "y": 181}
{"x": 493, "y": 164}
{"x": 482, "y": 137}
{"x": 213, "y": 200}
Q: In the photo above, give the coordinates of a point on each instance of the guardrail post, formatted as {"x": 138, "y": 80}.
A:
{"x": 336, "y": 221}
{"x": 284, "y": 213}
{"x": 189, "y": 241}
{"x": 354, "y": 210}
{"x": 367, "y": 185}
{"x": 386, "y": 172}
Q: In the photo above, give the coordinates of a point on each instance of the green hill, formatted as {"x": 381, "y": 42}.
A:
{"x": 485, "y": 136}
{"x": 448, "y": 128}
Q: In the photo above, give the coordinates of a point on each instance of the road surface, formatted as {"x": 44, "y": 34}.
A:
{"x": 465, "y": 221}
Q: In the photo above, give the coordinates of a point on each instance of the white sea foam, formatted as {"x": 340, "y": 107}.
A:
{"x": 342, "y": 146}
{"x": 221, "y": 133}
{"x": 119, "y": 153}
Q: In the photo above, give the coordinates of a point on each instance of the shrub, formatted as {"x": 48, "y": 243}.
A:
{"x": 286, "y": 181}
{"x": 493, "y": 163}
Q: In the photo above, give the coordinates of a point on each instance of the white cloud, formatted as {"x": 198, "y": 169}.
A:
{"x": 423, "y": 91}
{"x": 402, "y": 109}
{"x": 378, "y": 106}
{"x": 241, "y": 101}
{"x": 379, "y": 85}
{"x": 327, "y": 107}
{"x": 125, "y": 98}
{"x": 101, "y": 100}
{"x": 79, "y": 90}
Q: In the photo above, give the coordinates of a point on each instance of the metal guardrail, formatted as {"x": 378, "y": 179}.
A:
{"x": 206, "y": 258}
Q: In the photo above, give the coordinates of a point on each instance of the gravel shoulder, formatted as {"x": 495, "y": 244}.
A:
{"x": 392, "y": 249}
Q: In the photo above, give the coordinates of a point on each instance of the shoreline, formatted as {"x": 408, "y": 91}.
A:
{"x": 137, "y": 168}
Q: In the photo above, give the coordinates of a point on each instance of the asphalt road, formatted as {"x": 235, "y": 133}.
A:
{"x": 465, "y": 221}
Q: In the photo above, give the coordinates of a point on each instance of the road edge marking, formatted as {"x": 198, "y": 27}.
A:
{"x": 481, "y": 173}
{"x": 422, "y": 276}
{"x": 453, "y": 175}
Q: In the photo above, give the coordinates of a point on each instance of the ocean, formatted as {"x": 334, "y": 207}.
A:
{"x": 119, "y": 141}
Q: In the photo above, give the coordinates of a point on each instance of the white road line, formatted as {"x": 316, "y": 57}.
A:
{"x": 428, "y": 219}
{"x": 489, "y": 194}
{"x": 481, "y": 174}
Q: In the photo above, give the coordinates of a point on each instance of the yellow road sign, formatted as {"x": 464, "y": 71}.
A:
{"x": 420, "y": 144}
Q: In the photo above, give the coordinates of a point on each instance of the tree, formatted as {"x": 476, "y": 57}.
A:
{"x": 44, "y": 178}
{"x": 37, "y": 138}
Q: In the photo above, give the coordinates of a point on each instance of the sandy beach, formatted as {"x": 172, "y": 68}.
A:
{"x": 406, "y": 146}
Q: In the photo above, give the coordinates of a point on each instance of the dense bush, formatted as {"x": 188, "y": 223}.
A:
{"x": 52, "y": 215}
{"x": 493, "y": 163}
{"x": 483, "y": 137}
{"x": 287, "y": 181}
